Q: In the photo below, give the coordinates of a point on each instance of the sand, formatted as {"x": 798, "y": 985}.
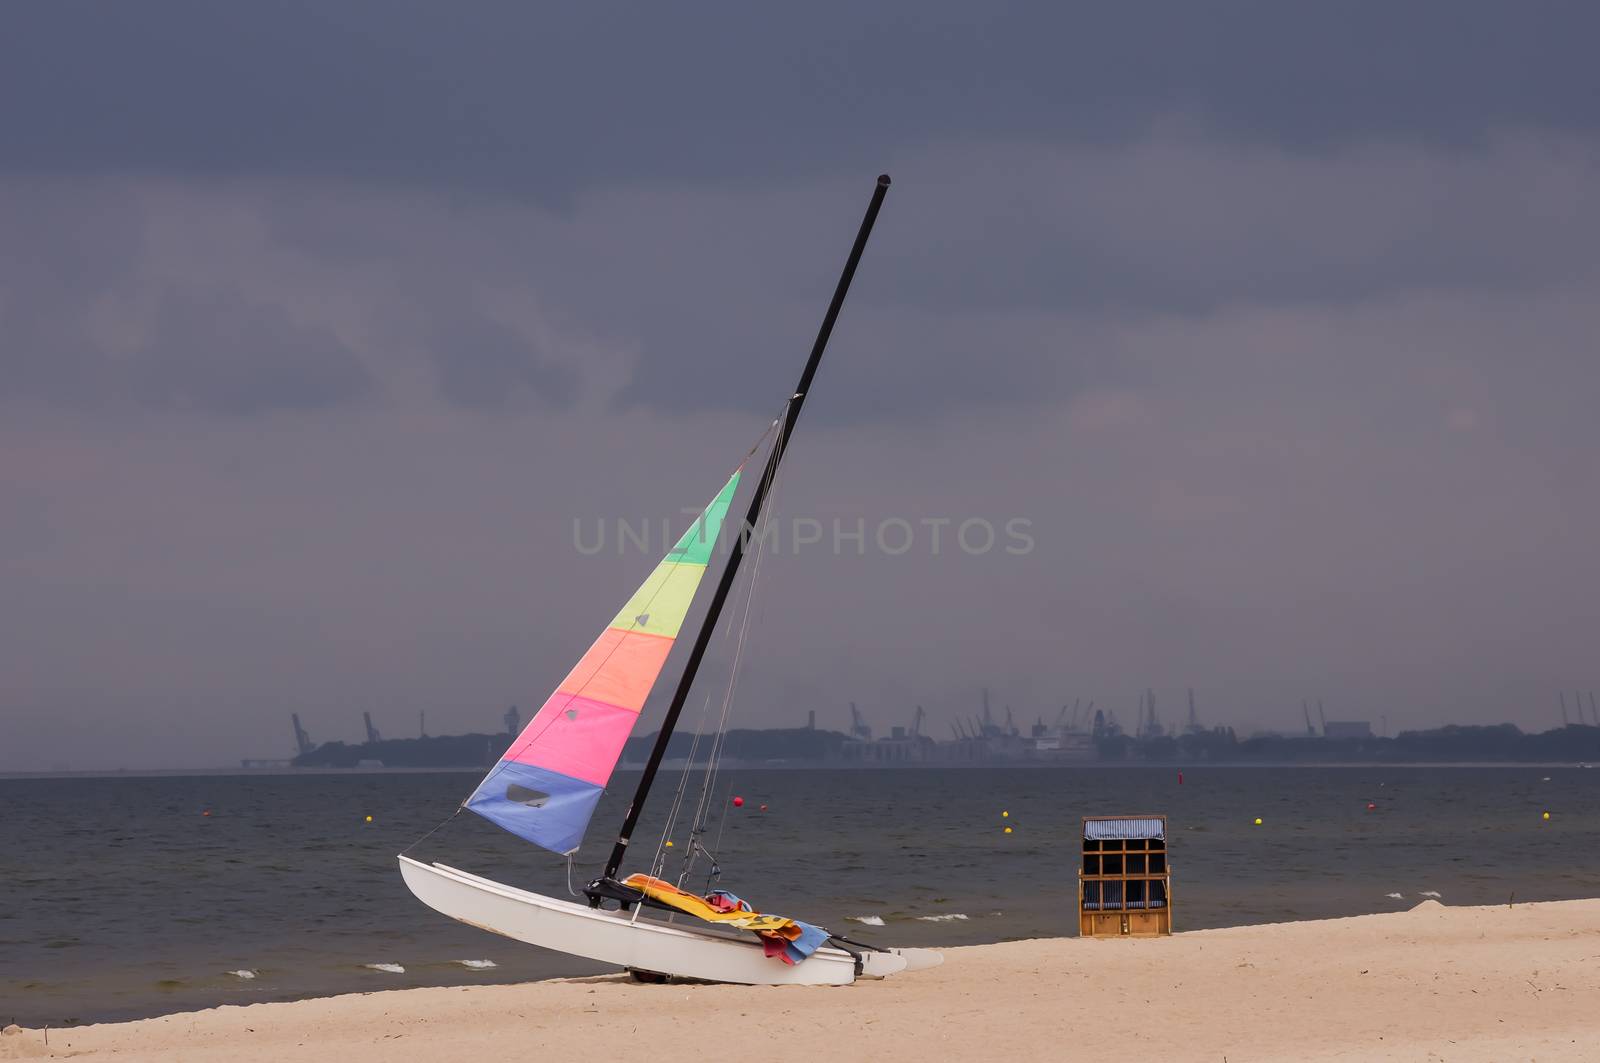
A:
{"x": 1434, "y": 983}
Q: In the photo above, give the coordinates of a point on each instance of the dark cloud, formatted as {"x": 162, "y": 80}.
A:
{"x": 83, "y": 324}
{"x": 545, "y": 100}
{"x": 482, "y": 363}
{"x": 704, "y": 298}
{"x": 60, "y": 251}
{"x": 1003, "y": 274}
{"x": 1275, "y": 320}
{"x": 1181, "y": 223}
{"x": 217, "y": 353}
{"x": 1000, "y": 272}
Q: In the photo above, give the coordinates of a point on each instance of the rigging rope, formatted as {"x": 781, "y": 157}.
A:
{"x": 693, "y": 846}
{"x": 659, "y": 858}
{"x": 705, "y": 806}
{"x": 428, "y": 835}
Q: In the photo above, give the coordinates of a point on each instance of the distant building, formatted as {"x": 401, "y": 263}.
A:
{"x": 1347, "y": 729}
{"x": 900, "y": 749}
{"x": 1059, "y": 744}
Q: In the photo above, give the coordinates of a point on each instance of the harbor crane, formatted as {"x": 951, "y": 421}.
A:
{"x": 372, "y": 732}
{"x": 302, "y": 740}
{"x": 858, "y": 724}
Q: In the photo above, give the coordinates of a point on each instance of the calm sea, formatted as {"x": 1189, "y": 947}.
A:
{"x": 122, "y": 897}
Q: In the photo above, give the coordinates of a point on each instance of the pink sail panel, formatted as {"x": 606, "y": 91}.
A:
{"x": 546, "y": 786}
{"x": 594, "y": 734}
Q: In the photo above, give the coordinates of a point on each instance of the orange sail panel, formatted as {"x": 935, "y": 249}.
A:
{"x": 546, "y": 786}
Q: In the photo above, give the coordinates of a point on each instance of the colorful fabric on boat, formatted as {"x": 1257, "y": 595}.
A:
{"x": 810, "y": 940}
{"x": 723, "y": 901}
{"x": 789, "y": 940}
{"x": 547, "y": 784}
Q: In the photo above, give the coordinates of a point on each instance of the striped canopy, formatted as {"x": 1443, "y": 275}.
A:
{"x": 1124, "y": 829}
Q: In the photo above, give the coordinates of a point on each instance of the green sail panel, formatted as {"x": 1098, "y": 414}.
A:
{"x": 696, "y": 544}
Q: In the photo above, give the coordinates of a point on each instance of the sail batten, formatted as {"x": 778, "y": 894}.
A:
{"x": 547, "y": 784}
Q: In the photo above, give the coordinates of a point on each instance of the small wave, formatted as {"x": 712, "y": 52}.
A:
{"x": 867, "y": 920}
{"x": 478, "y": 965}
{"x": 1396, "y": 896}
{"x": 941, "y": 918}
{"x": 387, "y": 968}
{"x": 241, "y": 973}
{"x": 1429, "y": 893}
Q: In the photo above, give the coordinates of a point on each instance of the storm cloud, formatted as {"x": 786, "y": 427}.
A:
{"x": 320, "y": 325}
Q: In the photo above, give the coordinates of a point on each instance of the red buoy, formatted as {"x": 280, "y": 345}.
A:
{"x": 763, "y": 808}
{"x": 738, "y": 802}
{"x": 1371, "y": 807}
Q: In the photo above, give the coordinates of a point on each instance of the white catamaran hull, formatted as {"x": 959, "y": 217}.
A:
{"x": 640, "y": 944}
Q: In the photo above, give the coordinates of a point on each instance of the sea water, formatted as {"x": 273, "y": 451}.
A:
{"x": 123, "y": 897}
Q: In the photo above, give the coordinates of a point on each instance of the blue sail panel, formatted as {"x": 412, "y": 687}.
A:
{"x": 545, "y": 807}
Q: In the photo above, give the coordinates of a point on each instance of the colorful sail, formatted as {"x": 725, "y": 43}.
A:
{"x": 546, "y": 786}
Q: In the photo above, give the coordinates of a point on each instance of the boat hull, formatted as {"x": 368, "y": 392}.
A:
{"x": 622, "y": 939}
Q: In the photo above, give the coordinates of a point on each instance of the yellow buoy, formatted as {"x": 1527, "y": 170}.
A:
{"x": 1008, "y": 830}
{"x": 669, "y": 845}
{"x": 1258, "y": 821}
{"x": 1005, "y": 815}
{"x": 1547, "y": 815}
{"x": 369, "y": 819}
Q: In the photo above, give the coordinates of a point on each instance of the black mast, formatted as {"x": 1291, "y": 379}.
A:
{"x": 736, "y": 553}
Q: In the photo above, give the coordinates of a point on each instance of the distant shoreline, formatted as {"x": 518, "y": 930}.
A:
{"x": 1094, "y": 765}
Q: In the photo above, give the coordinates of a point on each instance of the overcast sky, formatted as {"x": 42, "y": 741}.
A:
{"x": 321, "y": 324}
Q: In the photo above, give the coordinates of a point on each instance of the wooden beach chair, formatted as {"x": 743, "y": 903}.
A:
{"x": 1125, "y": 880}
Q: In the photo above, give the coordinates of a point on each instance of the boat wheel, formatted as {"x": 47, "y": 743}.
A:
{"x": 648, "y": 977}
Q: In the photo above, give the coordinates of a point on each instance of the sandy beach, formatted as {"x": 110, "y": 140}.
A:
{"x": 1433, "y": 983}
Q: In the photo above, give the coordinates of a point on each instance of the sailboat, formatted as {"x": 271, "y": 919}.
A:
{"x": 547, "y": 785}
